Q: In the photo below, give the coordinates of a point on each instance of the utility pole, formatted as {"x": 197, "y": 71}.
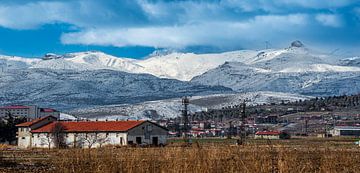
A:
{"x": 243, "y": 122}
{"x": 186, "y": 127}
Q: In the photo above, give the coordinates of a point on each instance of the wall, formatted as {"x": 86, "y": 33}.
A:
{"x": 267, "y": 137}
{"x": 24, "y": 137}
{"x": 81, "y": 140}
{"x": 147, "y": 131}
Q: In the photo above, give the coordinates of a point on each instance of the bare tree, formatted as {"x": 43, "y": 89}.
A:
{"x": 90, "y": 139}
{"x": 58, "y": 135}
{"x": 48, "y": 140}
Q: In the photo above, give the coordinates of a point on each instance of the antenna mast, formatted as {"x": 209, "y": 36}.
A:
{"x": 243, "y": 122}
{"x": 186, "y": 128}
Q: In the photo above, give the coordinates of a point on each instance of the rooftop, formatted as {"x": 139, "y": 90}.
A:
{"x": 90, "y": 126}
{"x": 268, "y": 133}
{"x": 347, "y": 127}
{"x": 30, "y": 123}
{"x": 15, "y": 107}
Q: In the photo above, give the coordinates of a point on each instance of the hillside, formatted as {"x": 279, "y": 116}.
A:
{"x": 69, "y": 89}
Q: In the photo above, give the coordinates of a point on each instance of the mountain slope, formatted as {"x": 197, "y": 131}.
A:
{"x": 68, "y": 89}
{"x": 322, "y": 81}
{"x": 170, "y": 108}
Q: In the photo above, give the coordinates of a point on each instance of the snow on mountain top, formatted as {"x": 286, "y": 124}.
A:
{"x": 185, "y": 66}
{"x": 297, "y": 43}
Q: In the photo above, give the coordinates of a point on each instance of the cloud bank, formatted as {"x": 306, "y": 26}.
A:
{"x": 180, "y": 24}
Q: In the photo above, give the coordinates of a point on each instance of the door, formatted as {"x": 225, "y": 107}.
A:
{"x": 138, "y": 140}
{"x": 155, "y": 141}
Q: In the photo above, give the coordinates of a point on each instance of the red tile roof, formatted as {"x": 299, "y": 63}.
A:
{"x": 29, "y": 123}
{"x": 48, "y": 110}
{"x": 91, "y": 126}
{"x": 14, "y": 107}
{"x": 268, "y": 133}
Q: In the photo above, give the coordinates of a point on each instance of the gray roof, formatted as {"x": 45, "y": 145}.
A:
{"x": 347, "y": 127}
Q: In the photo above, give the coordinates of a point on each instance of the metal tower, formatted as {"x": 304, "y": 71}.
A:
{"x": 186, "y": 127}
{"x": 243, "y": 122}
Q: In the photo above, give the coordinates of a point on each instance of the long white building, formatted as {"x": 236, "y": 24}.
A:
{"x": 47, "y": 132}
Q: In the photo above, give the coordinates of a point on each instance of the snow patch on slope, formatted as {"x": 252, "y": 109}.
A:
{"x": 320, "y": 68}
{"x": 171, "y": 108}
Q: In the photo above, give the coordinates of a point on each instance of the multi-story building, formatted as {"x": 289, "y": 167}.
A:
{"x": 30, "y": 112}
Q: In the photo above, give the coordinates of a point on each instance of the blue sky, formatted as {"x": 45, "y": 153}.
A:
{"x": 135, "y": 28}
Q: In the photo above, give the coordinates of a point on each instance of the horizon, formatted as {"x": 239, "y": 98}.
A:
{"x": 135, "y": 29}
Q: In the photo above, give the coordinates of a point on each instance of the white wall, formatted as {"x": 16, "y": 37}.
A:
{"x": 81, "y": 140}
{"x": 24, "y": 137}
{"x": 267, "y": 137}
{"x": 149, "y": 130}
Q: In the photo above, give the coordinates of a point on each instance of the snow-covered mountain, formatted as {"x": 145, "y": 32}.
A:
{"x": 69, "y": 89}
{"x": 171, "y": 108}
{"x": 185, "y": 66}
{"x": 294, "y": 70}
{"x": 94, "y": 78}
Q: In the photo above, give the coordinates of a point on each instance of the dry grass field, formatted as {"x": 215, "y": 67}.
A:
{"x": 296, "y": 155}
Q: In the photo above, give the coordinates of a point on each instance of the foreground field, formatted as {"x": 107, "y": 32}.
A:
{"x": 298, "y": 155}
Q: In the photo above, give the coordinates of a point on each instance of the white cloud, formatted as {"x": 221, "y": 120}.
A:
{"x": 206, "y": 33}
{"x": 286, "y": 5}
{"x": 32, "y": 15}
{"x": 176, "y": 24}
{"x": 329, "y": 20}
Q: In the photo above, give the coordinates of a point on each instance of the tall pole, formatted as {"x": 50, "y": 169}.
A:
{"x": 185, "y": 102}
{"x": 242, "y": 127}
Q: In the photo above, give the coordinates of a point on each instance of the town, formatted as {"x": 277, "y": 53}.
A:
{"x": 46, "y": 128}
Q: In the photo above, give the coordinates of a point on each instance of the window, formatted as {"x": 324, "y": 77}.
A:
{"x": 22, "y": 137}
{"x": 138, "y": 140}
{"x": 107, "y": 134}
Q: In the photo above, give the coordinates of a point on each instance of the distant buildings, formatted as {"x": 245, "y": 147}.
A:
{"x": 271, "y": 135}
{"x": 47, "y": 132}
{"x": 345, "y": 131}
{"x": 30, "y": 112}
{"x": 270, "y": 119}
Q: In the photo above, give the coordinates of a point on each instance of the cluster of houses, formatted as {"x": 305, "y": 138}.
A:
{"x": 45, "y": 130}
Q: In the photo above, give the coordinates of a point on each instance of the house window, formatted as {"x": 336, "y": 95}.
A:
{"x": 22, "y": 137}
{"x": 107, "y": 134}
{"x": 121, "y": 140}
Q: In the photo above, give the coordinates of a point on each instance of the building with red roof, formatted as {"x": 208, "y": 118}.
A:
{"x": 29, "y": 112}
{"x": 45, "y": 133}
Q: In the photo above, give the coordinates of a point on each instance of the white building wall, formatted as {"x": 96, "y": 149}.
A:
{"x": 24, "y": 137}
{"x": 267, "y": 137}
{"x": 162, "y": 139}
{"x": 81, "y": 140}
{"x": 147, "y": 132}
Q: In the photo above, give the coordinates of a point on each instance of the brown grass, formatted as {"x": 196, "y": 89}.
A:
{"x": 206, "y": 158}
